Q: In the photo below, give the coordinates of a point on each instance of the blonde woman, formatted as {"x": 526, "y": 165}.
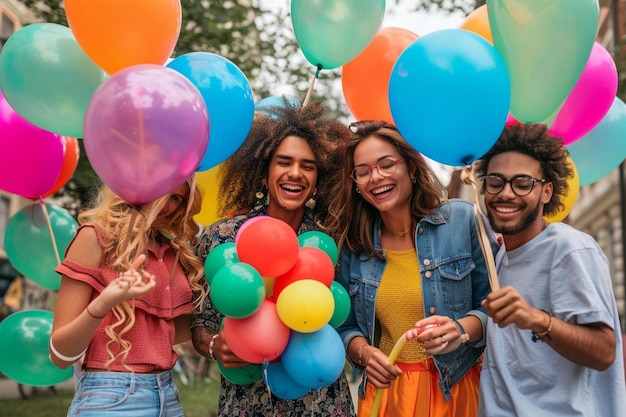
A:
{"x": 128, "y": 286}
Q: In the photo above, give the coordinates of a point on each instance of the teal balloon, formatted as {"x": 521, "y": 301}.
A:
{"x": 237, "y": 290}
{"x": 221, "y": 255}
{"x": 268, "y": 106}
{"x": 24, "y": 355}
{"x": 321, "y": 241}
{"x": 342, "y": 304}
{"x": 546, "y": 45}
{"x": 449, "y": 95}
{"x": 333, "y": 32}
{"x": 47, "y": 78}
{"x": 241, "y": 376}
{"x": 603, "y": 149}
{"x": 28, "y": 242}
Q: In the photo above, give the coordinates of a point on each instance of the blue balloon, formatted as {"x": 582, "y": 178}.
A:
{"x": 280, "y": 383}
{"x": 602, "y": 150}
{"x": 228, "y": 98}
{"x": 450, "y": 94}
{"x": 267, "y": 106}
{"x": 314, "y": 360}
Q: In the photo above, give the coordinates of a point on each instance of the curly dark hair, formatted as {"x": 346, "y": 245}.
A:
{"x": 242, "y": 174}
{"x": 535, "y": 141}
{"x": 350, "y": 218}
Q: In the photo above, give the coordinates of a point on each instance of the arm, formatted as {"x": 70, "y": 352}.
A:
{"x": 183, "y": 328}
{"x": 591, "y": 345}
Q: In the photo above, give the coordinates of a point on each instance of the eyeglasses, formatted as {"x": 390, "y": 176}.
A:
{"x": 522, "y": 185}
{"x": 387, "y": 166}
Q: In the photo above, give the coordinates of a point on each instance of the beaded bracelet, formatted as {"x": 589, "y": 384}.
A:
{"x": 546, "y": 333}
{"x": 211, "y": 345}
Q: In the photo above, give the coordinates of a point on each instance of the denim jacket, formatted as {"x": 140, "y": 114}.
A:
{"x": 454, "y": 282}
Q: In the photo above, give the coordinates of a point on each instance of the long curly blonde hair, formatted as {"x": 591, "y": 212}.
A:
{"x": 127, "y": 229}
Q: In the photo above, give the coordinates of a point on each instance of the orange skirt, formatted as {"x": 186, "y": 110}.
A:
{"x": 416, "y": 393}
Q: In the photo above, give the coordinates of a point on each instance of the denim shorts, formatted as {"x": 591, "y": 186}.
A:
{"x": 126, "y": 394}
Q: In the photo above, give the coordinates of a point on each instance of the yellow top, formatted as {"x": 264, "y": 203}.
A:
{"x": 399, "y": 303}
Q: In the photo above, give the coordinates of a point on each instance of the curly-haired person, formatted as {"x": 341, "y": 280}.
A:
{"x": 129, "y": 282}
{"x": 281, "y": 170}
{"x": 553, "y": 334}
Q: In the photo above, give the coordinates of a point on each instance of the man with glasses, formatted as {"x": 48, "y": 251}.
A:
{"x": 553, "y": 334}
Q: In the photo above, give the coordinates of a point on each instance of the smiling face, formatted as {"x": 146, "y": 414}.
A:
{"x": 390, "y": 193}
{"x": 519, "y": 219}
{"x": 292, "y": 176}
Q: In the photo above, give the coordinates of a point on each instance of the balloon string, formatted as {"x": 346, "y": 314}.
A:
{"x": 392, "y": 359}
{"x": 310, "y": 91}
{"x": 483, "y": 239}
{"x": 50, "y": 231}
{"x": 192, "y": 189}
{"x": 131, "y": 224}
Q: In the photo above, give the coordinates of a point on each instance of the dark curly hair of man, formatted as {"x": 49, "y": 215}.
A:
{"x": 241, "y": 175}
{"x": 535, "y": 141}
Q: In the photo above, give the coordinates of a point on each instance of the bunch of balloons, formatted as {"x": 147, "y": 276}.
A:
{"x": 281, "y": 306}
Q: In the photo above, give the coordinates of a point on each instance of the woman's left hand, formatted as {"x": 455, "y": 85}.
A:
{"x": 438, "y": 335}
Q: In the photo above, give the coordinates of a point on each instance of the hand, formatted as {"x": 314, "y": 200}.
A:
{"x": 130, "y": 284}
{"x": 438, "y": 335}
{"x": 506, "y": 306}
{"x": 224, "y": 355}
{"x": 380, "y": 372}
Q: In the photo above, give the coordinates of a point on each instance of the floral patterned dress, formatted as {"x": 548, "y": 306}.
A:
{"x": 255, "y": 400}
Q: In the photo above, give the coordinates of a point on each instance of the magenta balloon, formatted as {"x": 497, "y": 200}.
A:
{"x": 146, "y": 130}
{"x": 30, "y": 157}
{"x": 590, "y": 99}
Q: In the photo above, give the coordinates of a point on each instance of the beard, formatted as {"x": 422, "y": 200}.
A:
{"x": 523, "y": 224}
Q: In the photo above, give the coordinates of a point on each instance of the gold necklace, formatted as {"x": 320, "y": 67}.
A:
{"x": 401, "y": 233}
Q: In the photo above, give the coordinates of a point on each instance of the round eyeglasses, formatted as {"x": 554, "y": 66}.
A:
{"x": 387, "y": 166}
{"x": 522, "y": 185}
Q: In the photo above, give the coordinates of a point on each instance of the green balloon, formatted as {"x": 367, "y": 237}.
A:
{"x": 241, "y": 376}
{"x": 222, "y": 254}
{"x": 24, "y": 357}
{"x": 28, "y": 242}
{"x": 342, "y": 304}
{"x": 48, "y": 79}
{"x": 321, "y": 241}
{"x": 333, "y": 32}
{"x": 237, "y": 290}
{"x": 545, "y": 45}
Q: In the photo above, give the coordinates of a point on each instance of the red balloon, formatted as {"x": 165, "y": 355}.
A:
{"x": 70, "y": 162}
{"x": 261, "y": 336}
{"x": 312, "y": 263}
{"x": 268, "y": 244}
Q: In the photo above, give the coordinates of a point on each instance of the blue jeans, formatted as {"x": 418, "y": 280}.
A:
{"x": 127, "y": 394}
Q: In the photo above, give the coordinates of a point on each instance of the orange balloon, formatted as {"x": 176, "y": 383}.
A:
{"x": 70, "y": 162}
{"x": 116, "y": 34}
{"x": 365, "y": 79}
{"x": 478, "y": 22}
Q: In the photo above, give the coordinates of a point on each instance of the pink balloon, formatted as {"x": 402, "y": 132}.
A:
{"x": 259, "y": 337}
{"x": 146, "y": 130}
{"x": 591, "y": 98}
{"x": 30, "y": 157}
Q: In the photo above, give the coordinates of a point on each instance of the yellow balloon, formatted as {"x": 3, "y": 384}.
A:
{"x": 305, "y": 306}
{"x": 570, "y": 198}
{"x": 208, "y": 186}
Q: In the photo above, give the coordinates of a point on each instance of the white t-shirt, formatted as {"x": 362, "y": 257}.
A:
{"x": 563, "y": 271}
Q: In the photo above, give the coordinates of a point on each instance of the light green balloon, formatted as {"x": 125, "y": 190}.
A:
{"x": 47, "y": 78}
{"x": 545, "y": 45}
{"x": 24, "y": 357}
{"x": 333, "y": 32}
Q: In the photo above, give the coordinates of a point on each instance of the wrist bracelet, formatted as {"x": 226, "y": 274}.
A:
{"x": 360, "y": 353}
{"x": 63, "y": 357}
{"x": 464, "y": 336}
{"x": 211, "y": 345}
{"x": 546, "y": 333}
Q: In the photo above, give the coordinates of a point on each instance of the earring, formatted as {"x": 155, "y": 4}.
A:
{"x": 310, "y": 204}
{"x": 260, "y": 195}
{"x": 358, "y": 191}
{"x": 413, "y": 180}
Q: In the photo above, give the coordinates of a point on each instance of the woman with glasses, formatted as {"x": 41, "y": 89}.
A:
{"x": 282, "y": 170}
{"x": 410, "y": 260}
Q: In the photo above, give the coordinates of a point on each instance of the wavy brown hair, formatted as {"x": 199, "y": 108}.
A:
{"x": 242, "y": 175}
{"x": 127, "y": 229}
{"x": 350, "y": 219}
{"x": 535, "y": 141}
